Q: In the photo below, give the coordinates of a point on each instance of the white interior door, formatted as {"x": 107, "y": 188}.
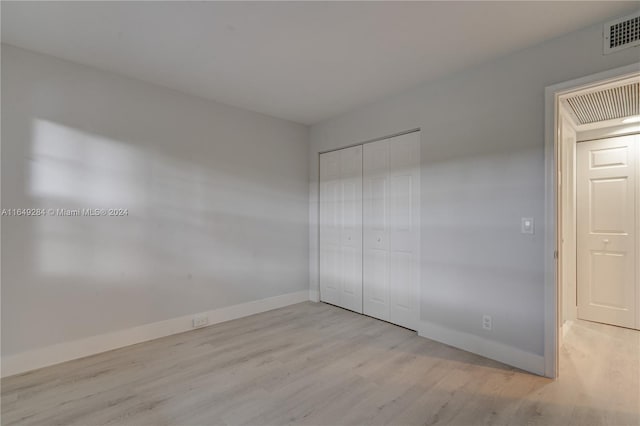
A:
{"x": 330, "y": 228}
{"x": 391, "y": 240}
{"x": 351, "y": 236}
{"x": 607, "y": 194}
{"x": 341, "y": 228}
{"x": 375, "y": 186}
{"x": 404, "y": 230}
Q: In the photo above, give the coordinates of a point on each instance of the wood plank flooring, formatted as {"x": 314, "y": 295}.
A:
{"x": 316, "y": 364}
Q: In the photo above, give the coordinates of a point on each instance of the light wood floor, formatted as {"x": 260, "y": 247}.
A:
{"x": 318, "y": 364}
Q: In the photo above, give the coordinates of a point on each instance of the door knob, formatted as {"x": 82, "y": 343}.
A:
{"x": 606, "y": 241}
{"x": 379, "y": 239}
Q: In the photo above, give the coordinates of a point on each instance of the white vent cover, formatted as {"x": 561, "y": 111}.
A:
{"x": 607, "y": 104}
{"x": 621, "y": 34}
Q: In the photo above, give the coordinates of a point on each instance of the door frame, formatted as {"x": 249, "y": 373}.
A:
{"x": 552, "y": 289}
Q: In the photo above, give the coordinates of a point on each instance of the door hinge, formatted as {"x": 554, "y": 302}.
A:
{"x": 555, "y": 254}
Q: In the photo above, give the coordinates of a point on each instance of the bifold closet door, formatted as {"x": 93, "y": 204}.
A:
{"x": 341, "y": 228}
{"x": 391, "y": 234}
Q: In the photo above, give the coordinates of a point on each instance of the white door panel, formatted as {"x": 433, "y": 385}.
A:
{"x": 375, "y": 217}
{"x": 607, "y": 194}
{"x": 404, "y": 231}
{"x": 341, "y": 228}
{"x": 351, "y": 236}
{"x": 330, "y": 247}
{"x": 391, "y": 229}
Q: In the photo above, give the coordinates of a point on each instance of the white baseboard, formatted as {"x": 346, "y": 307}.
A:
{"x": 487, "y": 348}
{"x": 67, "y": 351}
{"x": 314, "y": 295}
{"x": 566, "y": 327}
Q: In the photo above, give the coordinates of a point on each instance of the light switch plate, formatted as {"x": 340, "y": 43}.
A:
{"x": 527, "y": 225}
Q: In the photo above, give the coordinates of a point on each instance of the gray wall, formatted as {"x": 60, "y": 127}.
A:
{"x": 482, "y": 170}
{"x": 217, "y": 200}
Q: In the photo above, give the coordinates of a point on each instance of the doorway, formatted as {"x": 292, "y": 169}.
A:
{"x": 593, "y": 207}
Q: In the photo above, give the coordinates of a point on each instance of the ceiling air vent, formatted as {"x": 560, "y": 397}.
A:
{"x": 621, "y": 33}
{"x": 615, "y": 102}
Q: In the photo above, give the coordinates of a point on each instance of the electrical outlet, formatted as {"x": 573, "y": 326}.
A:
{"x": 200, "y": 321}
{"x": 487, "y": 323}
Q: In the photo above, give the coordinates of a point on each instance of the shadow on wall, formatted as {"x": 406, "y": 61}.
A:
{"x": 475, "y": 259}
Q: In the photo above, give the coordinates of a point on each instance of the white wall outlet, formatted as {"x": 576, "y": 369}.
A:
{"x": 527, "y": 225}
{"x": 200, "y": 321}
{"x": 487, "y": 322}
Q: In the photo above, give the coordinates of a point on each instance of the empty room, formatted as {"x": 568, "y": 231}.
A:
{"x": 320, "y": 213}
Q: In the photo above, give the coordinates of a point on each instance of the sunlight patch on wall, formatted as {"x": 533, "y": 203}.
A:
{"x": 73, "y": 165}
{"x": 70, "y": 169}
{"x": 185, "y": 220}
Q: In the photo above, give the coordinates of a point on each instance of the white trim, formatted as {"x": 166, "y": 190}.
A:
{"x": 55, "y": 354}
{"x": 317, "y": 226}
{"x": 314, "y": 295}
{"x": 551, "y": 297}
{"x": 405, "y": 132}
{"x": 609, "y": 132}
{"x": 566, "y": 327}
{"x": 491, "y": 349}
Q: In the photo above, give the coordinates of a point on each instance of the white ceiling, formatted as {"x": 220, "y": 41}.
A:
{"x": 302, "y": 61}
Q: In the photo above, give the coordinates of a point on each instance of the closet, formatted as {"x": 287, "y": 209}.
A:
{"x": 370, "y": 228}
